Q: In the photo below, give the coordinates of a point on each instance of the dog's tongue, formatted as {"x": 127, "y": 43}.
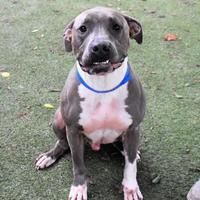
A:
{"x": 96, "y": 146}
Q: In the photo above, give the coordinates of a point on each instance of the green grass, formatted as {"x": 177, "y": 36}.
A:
{"x": 37, "y": 62}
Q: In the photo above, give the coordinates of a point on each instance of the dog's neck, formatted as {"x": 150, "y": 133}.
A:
{"x": 105, "y": 83}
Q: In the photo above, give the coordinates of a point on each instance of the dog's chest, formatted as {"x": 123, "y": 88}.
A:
{"x": 104, "y": 116}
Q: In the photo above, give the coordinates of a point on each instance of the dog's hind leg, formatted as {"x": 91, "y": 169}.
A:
{"x": 48, "y": 158}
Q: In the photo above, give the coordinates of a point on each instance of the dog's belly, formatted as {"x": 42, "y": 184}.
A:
{"x": 104, "y": 117}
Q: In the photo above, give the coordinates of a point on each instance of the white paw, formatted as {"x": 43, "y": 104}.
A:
{"x": 78, "y": 192}
{"x": 43, "y": 161}
{"x": 132, "y": 192}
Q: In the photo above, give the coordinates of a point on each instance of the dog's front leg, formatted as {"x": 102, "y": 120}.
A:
{"x": 78, "y": 189}
{"x": 130, "y": 185}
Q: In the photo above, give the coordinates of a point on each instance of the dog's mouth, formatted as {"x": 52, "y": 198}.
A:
{"x": 101, "y": 68}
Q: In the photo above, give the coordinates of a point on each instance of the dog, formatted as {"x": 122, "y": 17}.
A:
{"x": 103, "y": 98}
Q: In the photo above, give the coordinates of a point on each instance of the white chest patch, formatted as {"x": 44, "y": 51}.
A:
{"x": 104, "y": 116}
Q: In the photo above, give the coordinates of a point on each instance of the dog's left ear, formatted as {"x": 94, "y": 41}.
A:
{"x": 135, "y": 29}
{"x": 68, "y": 36}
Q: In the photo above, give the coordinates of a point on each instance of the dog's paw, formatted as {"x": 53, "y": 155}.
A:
{"x": 44, "y": 161}
{"x": 132, "y": 192}
{"x": 78, "y": 192}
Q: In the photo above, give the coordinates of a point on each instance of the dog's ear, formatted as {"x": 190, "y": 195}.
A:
{"x": 68, "y": 36}
{"x": 135, "y": 29}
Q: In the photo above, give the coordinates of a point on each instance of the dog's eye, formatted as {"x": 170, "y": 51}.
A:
{"x": 83, "y": 29}
{"x": 116, "y": 27}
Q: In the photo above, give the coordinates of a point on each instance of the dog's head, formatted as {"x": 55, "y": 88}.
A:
{"x": 99, "y": 38}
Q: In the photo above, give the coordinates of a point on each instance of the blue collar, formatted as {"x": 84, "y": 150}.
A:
{"x": 126, "y": 79}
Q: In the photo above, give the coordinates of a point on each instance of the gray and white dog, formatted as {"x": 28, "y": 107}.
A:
{"x": 102, "y": 99}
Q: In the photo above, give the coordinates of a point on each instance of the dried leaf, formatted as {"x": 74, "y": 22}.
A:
{"x": 48, "y": 105}
{"x": 178, "y": 96}
{"x": 187, "y": 151}
{"x": 35, "y": 30}
{"x": 170, "y": 37}
{"x": 156, "y": 180}
{"x": 5, "y": 74}
{"x": 23, "y": 115}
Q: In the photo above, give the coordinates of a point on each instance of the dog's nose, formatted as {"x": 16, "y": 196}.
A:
{"x": 101, "y": 50}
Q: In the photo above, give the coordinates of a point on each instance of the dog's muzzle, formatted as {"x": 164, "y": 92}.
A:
{"x": 101, "y": 58}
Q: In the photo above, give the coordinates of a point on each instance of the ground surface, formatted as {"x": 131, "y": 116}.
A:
{"x": 32, "y": 51}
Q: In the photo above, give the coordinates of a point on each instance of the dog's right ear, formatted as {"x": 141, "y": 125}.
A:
{"x": 68, "y": 36}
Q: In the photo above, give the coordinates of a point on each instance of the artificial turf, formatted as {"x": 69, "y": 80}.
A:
{"x": 32, "y": 51}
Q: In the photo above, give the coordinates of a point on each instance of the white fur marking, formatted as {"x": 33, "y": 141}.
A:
{"x": 104, "y": 116}
{"x": 131, "y": 188}
{"x": 98, "y": 35}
